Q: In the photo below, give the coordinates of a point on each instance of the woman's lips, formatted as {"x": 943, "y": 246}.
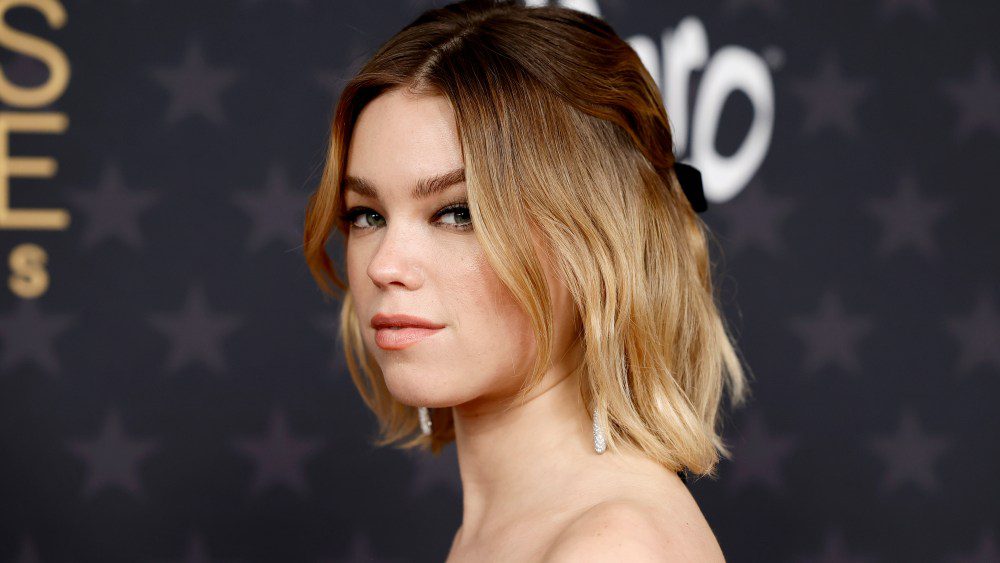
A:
{"x": 399, "y": 338}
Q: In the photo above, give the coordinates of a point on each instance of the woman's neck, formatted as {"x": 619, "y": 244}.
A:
{"x": 522, "y": 460}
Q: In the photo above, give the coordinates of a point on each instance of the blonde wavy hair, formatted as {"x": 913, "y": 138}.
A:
{"x": 563, "y": 132}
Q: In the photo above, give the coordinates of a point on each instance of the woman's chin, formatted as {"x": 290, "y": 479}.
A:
{"x": 420, "y": 401}
{"x": 414, "y": 394}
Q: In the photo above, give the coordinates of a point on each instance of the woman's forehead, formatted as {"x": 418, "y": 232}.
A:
{"x": 401, "y": 138}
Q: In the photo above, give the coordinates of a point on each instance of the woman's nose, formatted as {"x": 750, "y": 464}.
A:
{"x": 397, "y": 258}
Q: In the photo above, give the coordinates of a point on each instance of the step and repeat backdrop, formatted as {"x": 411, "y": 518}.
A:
{"x": 170, "y": 384}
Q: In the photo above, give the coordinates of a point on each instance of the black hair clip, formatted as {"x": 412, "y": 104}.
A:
{"x": 690, "y": 180}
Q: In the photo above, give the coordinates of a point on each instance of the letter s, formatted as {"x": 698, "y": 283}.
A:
{"x": 51, "y": 55}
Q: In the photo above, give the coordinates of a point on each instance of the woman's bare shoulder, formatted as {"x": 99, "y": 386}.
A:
{"x": 663, "y": 527}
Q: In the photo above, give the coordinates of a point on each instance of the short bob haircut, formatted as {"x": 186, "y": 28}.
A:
{"x": 564, "y": 132}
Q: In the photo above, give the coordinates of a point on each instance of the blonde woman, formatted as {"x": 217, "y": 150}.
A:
{"x": 527, "y": 278}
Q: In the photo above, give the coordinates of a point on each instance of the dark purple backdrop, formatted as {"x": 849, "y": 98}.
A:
{"x": 177, "y": 392}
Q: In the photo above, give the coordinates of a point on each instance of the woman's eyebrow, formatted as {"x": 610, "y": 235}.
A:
{"x": 425, "y": 188}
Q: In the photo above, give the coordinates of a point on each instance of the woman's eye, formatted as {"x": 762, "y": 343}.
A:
{"x": 351, "y": 218}
{"x": 461, "y": 218}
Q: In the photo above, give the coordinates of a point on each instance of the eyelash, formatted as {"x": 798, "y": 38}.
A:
{"x": 348, "y": 217}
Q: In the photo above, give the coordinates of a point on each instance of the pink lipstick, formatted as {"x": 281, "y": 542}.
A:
{"x": 399, "y": 338}
{"x": 397, "y": 330}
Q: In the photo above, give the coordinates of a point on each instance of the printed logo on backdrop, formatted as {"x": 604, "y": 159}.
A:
{"x": 23, "y": 112}
{"x": 682, "y": 51}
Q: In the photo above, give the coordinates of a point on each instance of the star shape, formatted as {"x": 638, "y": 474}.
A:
{"x": 754, "y": 218}
{"x": 277, "y": 211}
{"x": 830, "y": 98}
{"x": 28, "y": 334}
{"x": 909, "y": 454}
{"x": 195, "y": 332}
{"x": 907, "y": 218}
{"x": 830, "y": 335}
{"x": 758, "y": 455}
{"x": 977, "y": 100}
{"x": 195, "y": 87}
{"x": 835, "y": 551}
{"x": 978, "y": 334}
{"x": 280, "y": 455}
{"x": 113, "y": 210}
{"x": 890, "y": 8}
{"x": 112, "y": 457}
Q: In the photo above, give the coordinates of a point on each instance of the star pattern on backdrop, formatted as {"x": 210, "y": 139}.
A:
{"x": 168, "y": 105}
{"x": 909, "y": 454}
{"x": 759, "y": 455}
{"x": 831, "y": 335}
{"x": 754, "y": 218}
{"x": 977, "y": 334}
{"x": 276, "y": 211}
{"x": 112, "y": 210}
{"x": 830, "y": 98}
{"x": 195, "y": 86}
{"x": 907, "y": 218}
{"x": 977, "y": 100}
{"x": 280, "y": 455}
{"x": 112, "y": 458}
{"x": 195, "y": 332}
{"x": 28, "y": 335}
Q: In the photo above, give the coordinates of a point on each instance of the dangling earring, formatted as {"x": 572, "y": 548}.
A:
{"x": 425, "y": 420}
{"x": 599, "y": 443}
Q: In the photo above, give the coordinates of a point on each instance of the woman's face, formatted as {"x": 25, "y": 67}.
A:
{"x": 418, "y": 256}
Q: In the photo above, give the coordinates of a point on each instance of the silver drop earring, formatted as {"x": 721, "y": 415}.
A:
{"x": 599, "y": 442}
{"x": 425, "y": 420}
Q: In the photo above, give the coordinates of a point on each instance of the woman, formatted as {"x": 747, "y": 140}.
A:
{"x": 526, "y": 277}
